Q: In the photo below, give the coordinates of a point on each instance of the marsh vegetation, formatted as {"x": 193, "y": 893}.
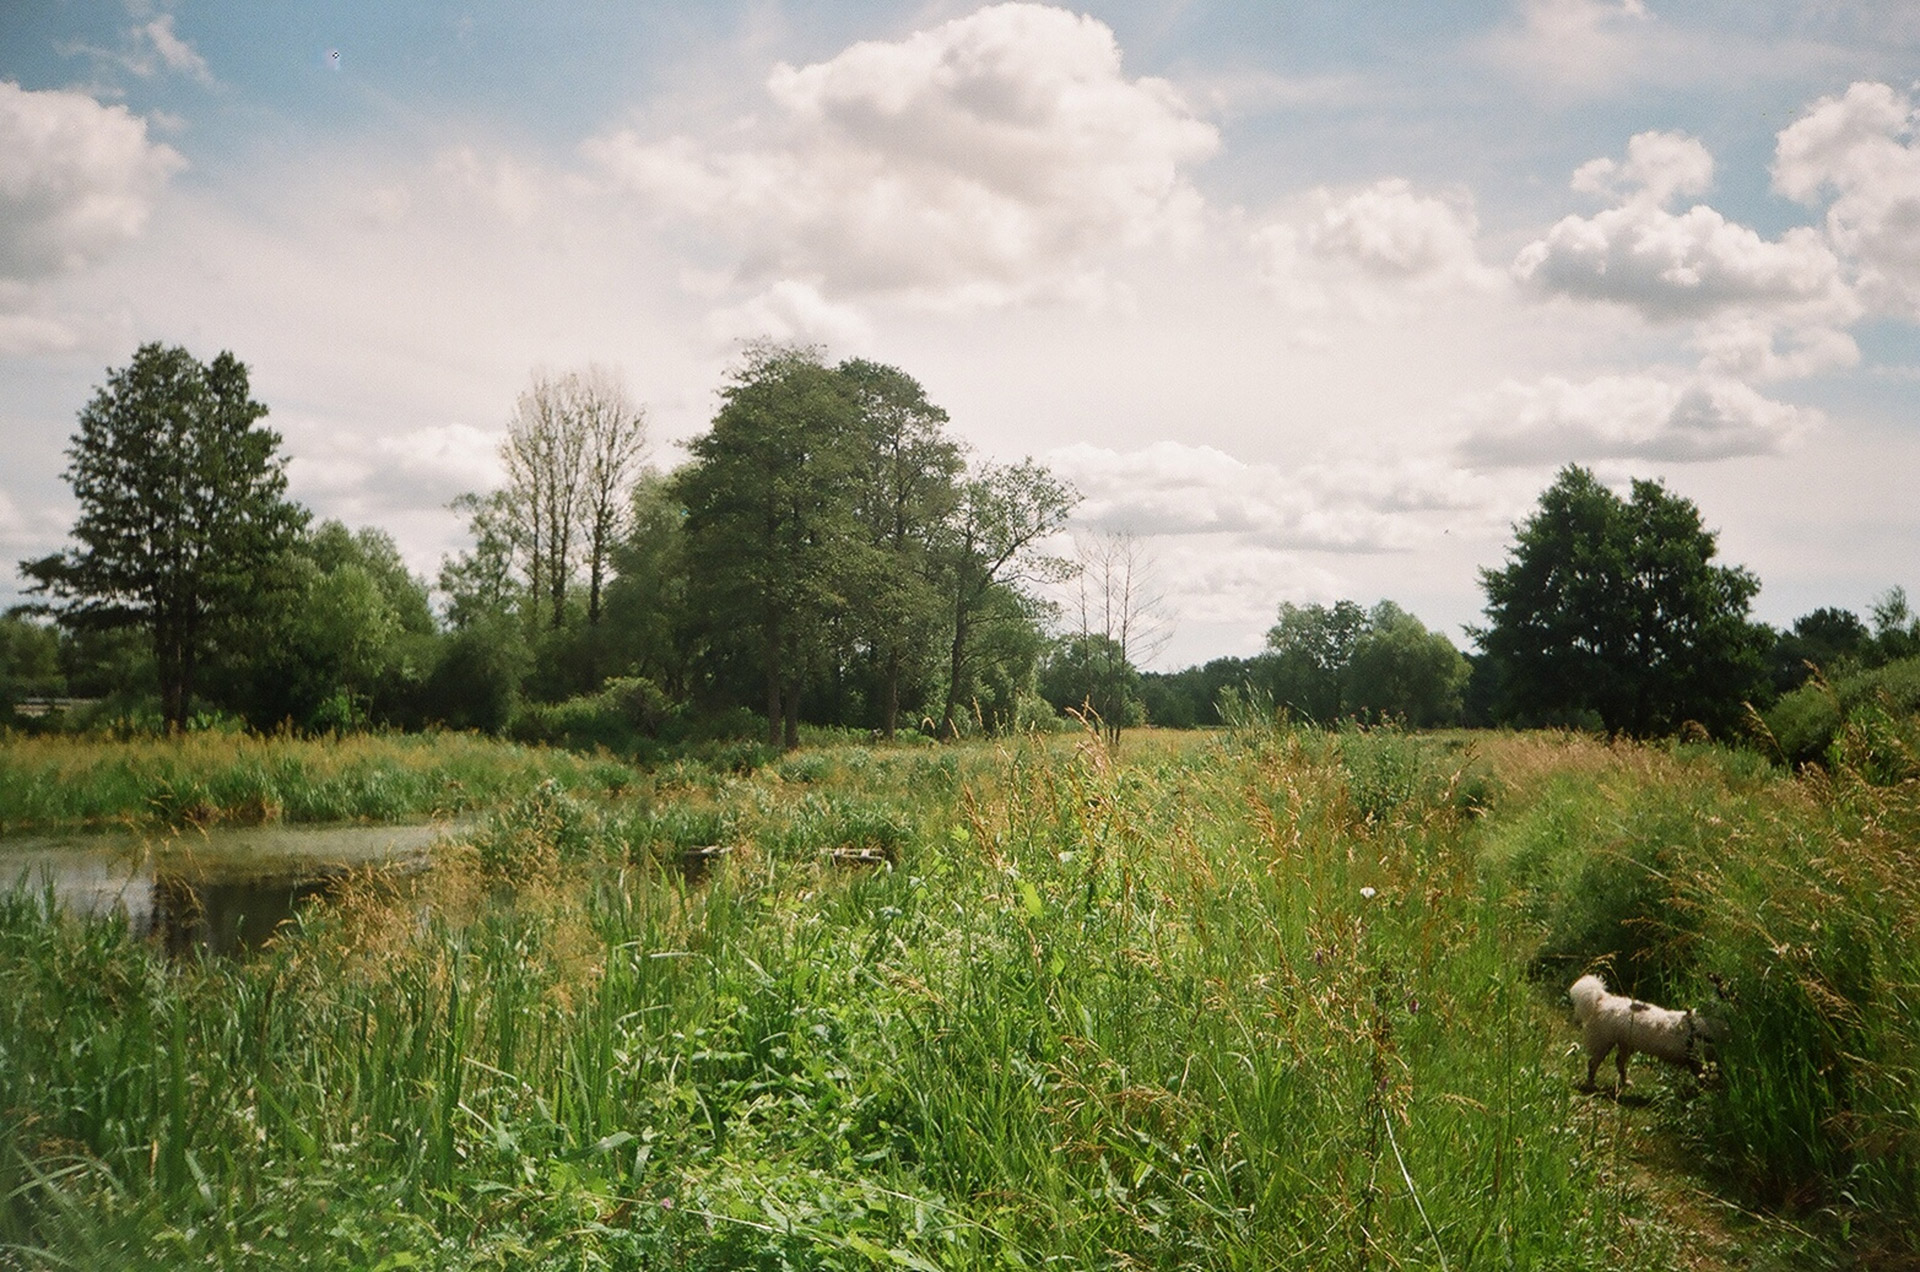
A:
{"x": 1272, "y": 998}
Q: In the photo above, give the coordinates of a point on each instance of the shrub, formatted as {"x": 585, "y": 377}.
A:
{"x": 1807, "y": 723}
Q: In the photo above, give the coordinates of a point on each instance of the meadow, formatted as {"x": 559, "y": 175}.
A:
{"x": 1265, "y": 998}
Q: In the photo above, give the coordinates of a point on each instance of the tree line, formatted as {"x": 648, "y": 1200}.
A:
{"x": 828, "y": 554}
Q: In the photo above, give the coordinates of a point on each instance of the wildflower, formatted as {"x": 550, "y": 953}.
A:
{"x": 1367, "y": 893}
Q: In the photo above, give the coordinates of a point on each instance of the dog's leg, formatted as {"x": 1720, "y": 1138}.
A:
{"x": 1620, "y": 1059}
{"x": 1594, "y": 1057}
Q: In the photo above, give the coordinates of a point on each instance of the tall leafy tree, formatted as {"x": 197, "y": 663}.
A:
{"x": 1312, "y": 652}
{"x": 905, "y": 490}
{"x": 1614, "y": 607}
{"x": 352, "y": 643}
{"x": 1401, "y": 670}
{"x": 647, "y": 597}
{"x": 183, "y": 512}
{"x": 771, "y": 538}
{"x": 990, "y": 544}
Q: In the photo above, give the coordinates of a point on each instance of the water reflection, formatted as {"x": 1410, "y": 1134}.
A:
{"x": 222, "y": 891}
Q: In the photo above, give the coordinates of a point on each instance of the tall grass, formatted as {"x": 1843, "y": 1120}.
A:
{"x": 201, "y": 778}
{"x": 1785, "y": 909}
{"x": 1259, "y": 1002}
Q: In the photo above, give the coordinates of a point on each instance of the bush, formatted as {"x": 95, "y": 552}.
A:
{"x": 1880, "y": 705}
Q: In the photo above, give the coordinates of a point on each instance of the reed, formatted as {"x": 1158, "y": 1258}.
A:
{"x": 1276, "y": 999}
{"x": 208, "y": 778}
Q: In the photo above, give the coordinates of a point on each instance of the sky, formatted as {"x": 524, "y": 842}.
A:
{"x": 1314, "y": 298}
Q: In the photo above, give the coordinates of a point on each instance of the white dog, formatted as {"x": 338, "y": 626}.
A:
{"x": 1611, "y": 1022}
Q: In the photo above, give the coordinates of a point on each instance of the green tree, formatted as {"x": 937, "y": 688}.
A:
{"x": 183, "y": 512}
{"x": 904, "y": 492}
{"x": 1190, "y": 697}
{"x": 1614, "y": 607}
{"x": 1311, "y": 648}
{"x": 991, "y": 544}
{"x": 1400, "y": 670}
{"x": 1896, "y": 628}
{"x": 479, "y": 583}
{"x": 1833, "y": 640}
{"x": 1089, "y": 671}
{"x": 29, "y": 661}
{"x": 772, "y": 542}
{"x": 351, "y": 643}
{"x": 647, "y": 618}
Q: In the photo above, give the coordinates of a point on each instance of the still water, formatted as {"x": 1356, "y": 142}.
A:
{"x": 223, "y": 890}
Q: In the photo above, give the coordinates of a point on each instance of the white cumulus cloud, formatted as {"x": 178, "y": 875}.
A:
{"x": 1859, "y": 149}
{"x": 986, "y": 160}
{"x": 77, "y": 179}
{"x": 1554, "y": 421}
{"x": 1674, "y": 265}
{"x": 1391, "y": 230}
{"x": 1658, "y": 166}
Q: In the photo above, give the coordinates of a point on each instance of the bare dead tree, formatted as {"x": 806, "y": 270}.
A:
{"x": 572, "y": 451}
{"x": 614, "y": 443}
{"x": 1123, "y": 618}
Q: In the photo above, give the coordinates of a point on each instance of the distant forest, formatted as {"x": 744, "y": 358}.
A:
{"x": 828, "y": 557}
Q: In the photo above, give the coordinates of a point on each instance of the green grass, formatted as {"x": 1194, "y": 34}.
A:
{"x": 1271, "y": 999}
{"x": 57, "y": 782}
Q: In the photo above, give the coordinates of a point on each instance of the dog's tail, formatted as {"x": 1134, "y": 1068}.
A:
{"x": 1586, "y": 994}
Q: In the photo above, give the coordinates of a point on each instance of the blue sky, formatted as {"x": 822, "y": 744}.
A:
{"x": 1313, "y": 297}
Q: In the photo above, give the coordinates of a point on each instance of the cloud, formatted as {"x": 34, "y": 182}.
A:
{"x": 1390, "y": 231}
{"x": 1752, "y": 346}
{"x": 77, "y": 179}
{"x": 991, "y": 159}
{"x": 146, "y": 49}
{"x": 1574, "y": 47}
{"x": 1658, "y": 166}
{"x": 1858, "y": 148}
{"x": 356, "y": 476}
{"x": 1555, "y": 421}
{"x": 1174, "y": 489}
{"x": 793, "y": 311}
{"x": 1675, "y": 265}
{"x": 174, "y": 53}
{"x": 22, "y": 333}
{"x": 1375, "y": 254}
{"x": 505, "y": 186}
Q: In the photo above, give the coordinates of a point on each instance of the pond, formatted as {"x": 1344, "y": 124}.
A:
{"x": 223, "y": 891}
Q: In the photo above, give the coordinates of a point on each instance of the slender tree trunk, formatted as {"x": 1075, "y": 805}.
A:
{"x": 956, "y": 664}
{"x": 596, "y": 567}
{"x": 792, "y": 739}
{"x": 891, "y": 706}
{"x": 772, "y": 656}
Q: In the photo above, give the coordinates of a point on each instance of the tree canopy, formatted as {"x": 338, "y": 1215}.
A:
{"x": 1612, "y": 609}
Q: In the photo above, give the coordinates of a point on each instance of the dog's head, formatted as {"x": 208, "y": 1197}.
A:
{"x": 1586, "y": 994}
